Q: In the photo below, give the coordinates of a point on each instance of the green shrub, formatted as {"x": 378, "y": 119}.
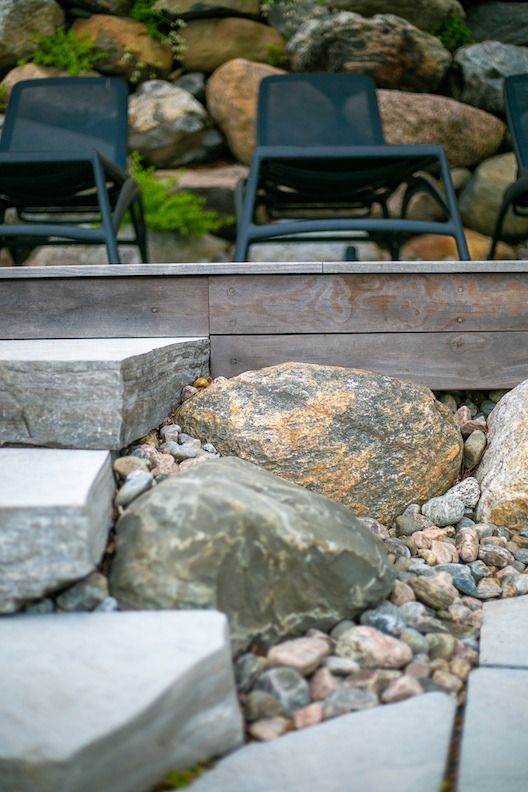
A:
{"x": 67, "y": 52}
{"x": 167, "y": 211}
{"x": 453, "y": 33}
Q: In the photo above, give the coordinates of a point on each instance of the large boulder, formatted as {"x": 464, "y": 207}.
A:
{"x": 208, "y": 43}
{"x": 394, "y": 52}
{"x": 20, "y": 22}
{"x": 232, "y": 102}
{"x": 277, "y": 559}
{"x": 191, "y": 9}
{"x": 371, "y": 442}
{"x": 481, "y": 200}
{"x": 502, "y": 472}
{"x": 129, "y": 49}
{"x": 169, "y": 127}
{"x": 467, "y": 134}
{"x": 499, "y": 21}
{"x": 431, "y": 247}
{"x": 425, "y": 14}
{"x": 477, "y": 73}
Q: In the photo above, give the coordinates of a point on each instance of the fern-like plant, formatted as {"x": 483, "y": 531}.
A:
{"x": 166, "y": 210}
{"x": 453, "y": 33}
{"x": 67, "y": 51}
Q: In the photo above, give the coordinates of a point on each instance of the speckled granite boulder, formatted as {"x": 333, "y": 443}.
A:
{"x": 371, "y": 442}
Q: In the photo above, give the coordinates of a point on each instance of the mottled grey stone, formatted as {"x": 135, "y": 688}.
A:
{"x": 499, "y": 21}
{"x": 504, "y": 633}
{"x": 112, "y": 701}
{"x": 136, "y": 484}
{"x": 86, "y": 595}
{"x": 348, "y": 750}
{"x": 444, "y": 510}
{"x": 425, "y": 14}
{"x": 86, "y": 393}
{"x": 287, "y": 686}
{"x": 386, "y": 618}
{"x": 494, "y": 736}
{"x": 55, "y": 515}
{"x": 225, "y": 534}
{"x": 247, "y": 670}
{"x": 348, "y": 699}
{"x": 20, "y": 22}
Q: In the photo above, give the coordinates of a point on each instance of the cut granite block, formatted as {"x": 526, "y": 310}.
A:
{"x": 113, "y": 701}
{"x": 495, "y": 727}
{"x": 395, "y": 748}
{"x": 504, "y": 633}
{"x": 93, "y": 393}
{"x": 55, "y": 514}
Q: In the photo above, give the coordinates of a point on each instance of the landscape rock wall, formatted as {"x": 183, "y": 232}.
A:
{"x": 193, "y": 84}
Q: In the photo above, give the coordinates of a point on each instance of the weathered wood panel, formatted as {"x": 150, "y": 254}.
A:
{"x": 369, "y": 303}
{"x": 438, "y": 360}
{"x": 104, "y": 307}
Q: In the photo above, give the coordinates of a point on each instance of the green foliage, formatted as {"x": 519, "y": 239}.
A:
{"x": 143, "y": 11}
{"x": 181, "y": 779}
{"x": 168, "y": 211}
{"x": 453, "y": 33}
{"x": 276, "y": 56}
{"x": 4, "y": 97}
{"x": 66, "y": 51}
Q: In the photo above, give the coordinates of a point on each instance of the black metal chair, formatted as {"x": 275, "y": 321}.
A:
{"x": 321, "y": 166}
{"x": 516, "y": 195}
{"x": 63, "y": 165}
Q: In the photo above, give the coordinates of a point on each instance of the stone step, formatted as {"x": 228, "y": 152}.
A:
{"x": 398, "y": 748}
{"x": 91, "y": 393}
{"x": 113, "y": 701}
{"x": 496, "y": 718}
{"x": 55, "y": 514}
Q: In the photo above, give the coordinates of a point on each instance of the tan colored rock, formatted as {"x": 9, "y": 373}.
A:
{"x": 216, "y": 184}
{"x": 131, "y": 52}
{"x": 232, "y": 102}
{"x": 481, "y": 200}
{"x": 308, "y": 716}
{"x": 502, "y": 472}
{"x": 431, "y": 247}
{"x": 467, "y": 544}
{"x": 322, "y": 683}
{"x": 363, "y": 439}
{"x": 181, "y": 9}
{"x": 389, "y": 49}
{"x": 402, "y": 688}
{"x": 208, "y": 43}
{"x": 30, "y": 71}
{"x": 468, "y": 135}
{"x": 303, "y": 654}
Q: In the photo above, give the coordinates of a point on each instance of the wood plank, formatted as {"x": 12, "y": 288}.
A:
{"x": 369, "y": 303}
{"x": 104, "y": 307}
{"x": 442, "y": 361}
{"x": 160, "y": 270}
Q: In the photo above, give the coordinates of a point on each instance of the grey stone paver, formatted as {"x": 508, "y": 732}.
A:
{"x": 395, "y": 748}
{"x": 109, "y": 702}
{"x": 55, "y": 514}
{"x": 93, "y": 393}
{"x": 493, "y": 749}
{"x": 504, "y": 634}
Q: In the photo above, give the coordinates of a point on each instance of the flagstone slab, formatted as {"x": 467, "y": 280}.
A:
{"x": 504, "y": 633}
{"x": 99, "y": 393}
{"x": 398, "y": 747}
{"x": 113, "y": 701}
{"x": 493, "y": 750}
{"x": 55, "y": 515}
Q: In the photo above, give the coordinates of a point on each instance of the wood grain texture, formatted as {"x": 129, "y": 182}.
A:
{"x": 441, "y": 361}
{"x": 102, "y": 307}
{"x": 369, "y": 303}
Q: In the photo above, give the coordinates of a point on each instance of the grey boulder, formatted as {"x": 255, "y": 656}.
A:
{"x": 277, "y": 559}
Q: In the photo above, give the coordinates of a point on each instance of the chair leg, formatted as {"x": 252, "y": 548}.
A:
{"x": 137, "y": 214}
{"x": 498, "y": 228}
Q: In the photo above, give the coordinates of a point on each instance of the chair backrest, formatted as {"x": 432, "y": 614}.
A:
{"x": 318, "y": 109}
{"x": 68, "y": 114}
{"x": 516, "y": 102}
